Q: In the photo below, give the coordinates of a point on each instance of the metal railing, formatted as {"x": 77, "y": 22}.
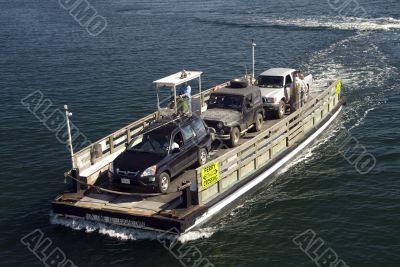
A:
{"x": 249, "y": 157}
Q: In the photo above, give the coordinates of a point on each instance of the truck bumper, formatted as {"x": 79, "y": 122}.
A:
{"x": 271, "y": 106}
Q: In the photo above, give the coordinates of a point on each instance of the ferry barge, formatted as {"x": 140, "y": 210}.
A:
{"x": 198, "y": 193}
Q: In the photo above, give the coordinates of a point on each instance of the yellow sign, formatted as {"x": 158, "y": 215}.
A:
{"x": 338, "y": 87}
{"x": 209, "y": 175}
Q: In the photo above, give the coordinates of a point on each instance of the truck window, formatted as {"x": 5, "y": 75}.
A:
{"x": 288, "y": 80}
{"x": 270, "y": 81}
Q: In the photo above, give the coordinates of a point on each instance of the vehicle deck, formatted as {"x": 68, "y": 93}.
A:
{"x": 229, "y": 173}
{"x": 151, "y": 204}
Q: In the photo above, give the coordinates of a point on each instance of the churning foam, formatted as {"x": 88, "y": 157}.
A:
{"x": 340, "y": 23}
{"x": 124, "y": 233}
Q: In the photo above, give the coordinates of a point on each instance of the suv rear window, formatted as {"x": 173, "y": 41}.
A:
{"x": 187, "y": 133}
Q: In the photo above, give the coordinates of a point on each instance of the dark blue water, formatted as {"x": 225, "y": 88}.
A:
{"x": 106, "y": 80}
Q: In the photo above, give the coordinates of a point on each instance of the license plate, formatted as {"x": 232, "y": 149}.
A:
{"x": 125, "y": 181}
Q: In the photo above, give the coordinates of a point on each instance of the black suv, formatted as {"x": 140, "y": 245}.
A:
{"x": 235, "y": 109}
{"x": 160, "y": 152}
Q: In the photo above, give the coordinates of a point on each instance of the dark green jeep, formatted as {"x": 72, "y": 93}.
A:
{"x": 233, "y": 110}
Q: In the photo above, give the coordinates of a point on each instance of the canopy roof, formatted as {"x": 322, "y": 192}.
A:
{"x": 175, "y": 79}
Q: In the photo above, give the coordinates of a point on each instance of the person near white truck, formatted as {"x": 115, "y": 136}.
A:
{"x": 276, "y": 85}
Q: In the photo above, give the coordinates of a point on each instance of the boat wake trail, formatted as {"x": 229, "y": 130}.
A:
{"x": 345, "y": 23}
{"x": 124, "y": 233}
{"x": 366, "y": 73}
{"x": 315, "y": 23}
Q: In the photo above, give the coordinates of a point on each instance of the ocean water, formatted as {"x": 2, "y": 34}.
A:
{"x": 106, "y": 81}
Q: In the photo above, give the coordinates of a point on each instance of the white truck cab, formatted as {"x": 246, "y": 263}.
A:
{"x": 275, "y": 87}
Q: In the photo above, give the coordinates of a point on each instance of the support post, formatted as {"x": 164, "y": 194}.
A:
{"x": 201, "y": 98}
{"x": 186, "y": 194}
{"x": 175, "y": 104}
{"x": 71, "y": 149}
{"x": 76, "y": 186}
{"x": 253, "y": 48}
{"x": 158, "y": 97}
{"x": 111, "y": 142}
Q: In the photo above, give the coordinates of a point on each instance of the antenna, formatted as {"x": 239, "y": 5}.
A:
{"x": 253, "y": 48}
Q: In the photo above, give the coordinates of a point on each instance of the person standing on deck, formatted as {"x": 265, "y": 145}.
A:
{"x": 185, "y": 93}
{"x": 302, "y": 90}
{"x": 295, "y": 93}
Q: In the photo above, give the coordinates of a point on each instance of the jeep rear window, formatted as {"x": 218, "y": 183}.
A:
{"x": 199, "y": 128}
{"x": 225, "y": 101}
{"x": 270, "y": 81}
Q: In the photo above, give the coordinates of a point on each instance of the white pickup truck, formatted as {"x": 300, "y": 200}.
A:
{"x": 275, "y": 87}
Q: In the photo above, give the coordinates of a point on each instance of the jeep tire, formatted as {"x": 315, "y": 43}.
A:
{"x": 258, "y": 123}
{"x": 235, "y": 137}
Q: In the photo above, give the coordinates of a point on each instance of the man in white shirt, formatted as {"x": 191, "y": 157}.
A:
{"x": 303, "y": 90}
{"x": 295, "y": 93}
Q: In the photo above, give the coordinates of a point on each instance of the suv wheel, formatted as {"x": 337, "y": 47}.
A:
{"x": 202, "y": 156}
{"x": 281, "y": 110}
{"x": 259, "y": 122}
{"x": 163, "y": 183}
{"x": 235, "y": 137}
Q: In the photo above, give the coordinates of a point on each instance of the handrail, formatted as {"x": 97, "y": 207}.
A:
{"x": 279, "y": 136}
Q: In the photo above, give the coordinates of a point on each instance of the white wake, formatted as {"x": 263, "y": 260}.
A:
{"x": 340, "y": 23}
{"x": 124, "y": 233}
